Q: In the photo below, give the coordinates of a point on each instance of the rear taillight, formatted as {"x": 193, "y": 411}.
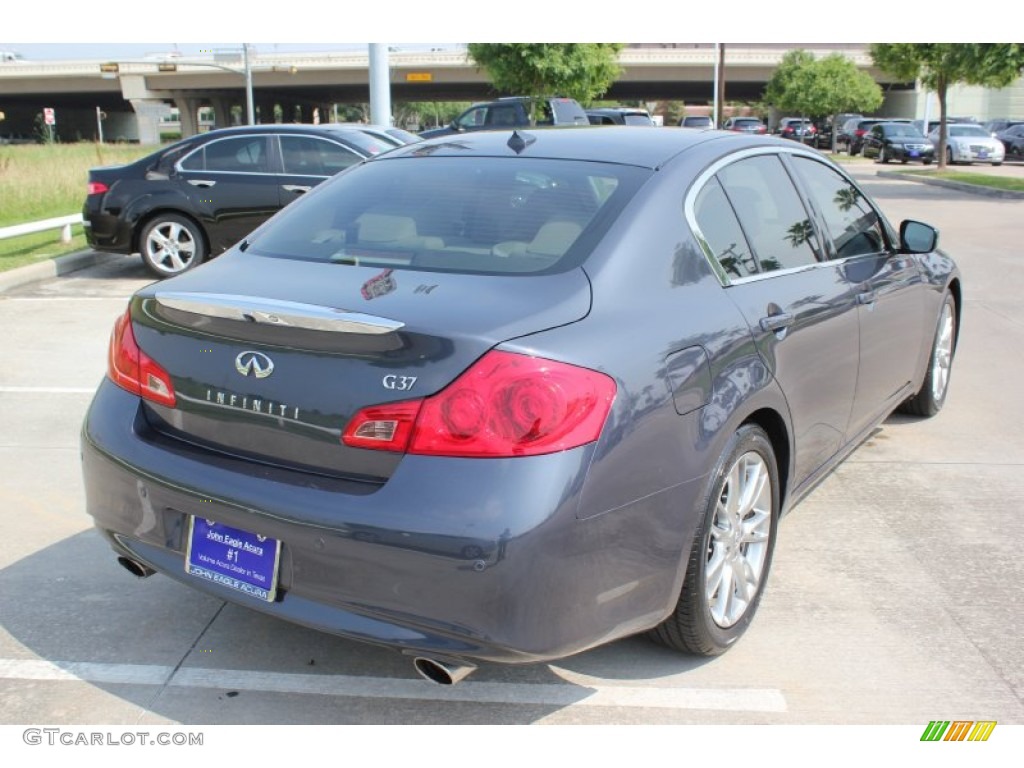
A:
{"x": 96, "y": 188}
{"x": 133, "y": 370}
{"x": 504, "y": 405}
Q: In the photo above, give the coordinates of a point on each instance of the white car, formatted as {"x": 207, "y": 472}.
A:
{"x": 968, "y": 143}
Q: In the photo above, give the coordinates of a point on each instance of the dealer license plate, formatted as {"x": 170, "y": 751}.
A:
{"x": 234, "y": 558}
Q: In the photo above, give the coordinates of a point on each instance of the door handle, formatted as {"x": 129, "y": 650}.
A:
{"x": 776, "y": 322}
{"x": 867, "y": 298}
{"x": 298, "y": 188}
{"x": 202, "y": 183}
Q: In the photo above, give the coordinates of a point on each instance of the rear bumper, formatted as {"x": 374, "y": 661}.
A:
{"x": 104, "y": 232}
{"x": 475, "y": 559}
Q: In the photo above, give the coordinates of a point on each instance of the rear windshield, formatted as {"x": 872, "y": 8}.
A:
{"x": 469, "y": 215}
{"x": 967, "y": 130}
{"x": 568, "y": 111}
{"x": 637, "y": 120}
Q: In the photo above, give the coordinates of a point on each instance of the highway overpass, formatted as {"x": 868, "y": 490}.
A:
{"x": 134, "y": 94}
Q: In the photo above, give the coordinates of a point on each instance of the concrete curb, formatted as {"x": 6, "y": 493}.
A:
{"x": 974, "y": 189}
{"x": 61, "y": 265}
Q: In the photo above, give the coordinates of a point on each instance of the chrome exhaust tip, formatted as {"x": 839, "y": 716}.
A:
{"x": 135, "y": 568}
{"x": 442, "y": 671}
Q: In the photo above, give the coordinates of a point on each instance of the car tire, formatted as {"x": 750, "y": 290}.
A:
{"x": 927, "y": 161}
{"x": 883, "y": 156}
{"x": 996, "y": 165}
{"x": 949, "y": 156}
{"x": 932, "y": 396}
{"x": 735, "y": 538}
{"x": 171, "y": 244}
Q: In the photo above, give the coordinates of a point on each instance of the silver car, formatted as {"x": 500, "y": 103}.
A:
{"x": 969, "y": 143}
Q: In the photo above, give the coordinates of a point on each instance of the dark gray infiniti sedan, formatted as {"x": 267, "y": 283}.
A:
{"x": 507, "y": 396}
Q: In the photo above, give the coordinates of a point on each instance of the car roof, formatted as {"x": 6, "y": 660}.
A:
{"x": 609, "y": 144}
{"x": 618, "y": 110}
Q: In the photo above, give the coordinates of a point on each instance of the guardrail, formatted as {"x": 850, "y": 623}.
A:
{"x": 63, "y": 223}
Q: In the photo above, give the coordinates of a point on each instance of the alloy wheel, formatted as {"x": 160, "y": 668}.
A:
{"x": 739, "y": 542}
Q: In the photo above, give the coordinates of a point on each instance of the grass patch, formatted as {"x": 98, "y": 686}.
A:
{"x": 42, "y": 181}
{"x": 1010, "y": 183}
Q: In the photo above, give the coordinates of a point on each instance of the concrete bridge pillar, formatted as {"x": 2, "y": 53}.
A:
{"x": 221, "y": 111}
{"x": 188, "y": 110}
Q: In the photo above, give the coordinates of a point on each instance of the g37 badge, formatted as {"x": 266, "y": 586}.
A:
{"x": 401, "y": 383}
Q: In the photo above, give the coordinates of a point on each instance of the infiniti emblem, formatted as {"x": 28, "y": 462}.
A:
{"x": 255, "y": 363}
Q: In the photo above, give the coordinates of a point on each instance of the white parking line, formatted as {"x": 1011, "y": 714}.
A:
{"x": 716, "y": 699}
{"x": 48, "y": 390}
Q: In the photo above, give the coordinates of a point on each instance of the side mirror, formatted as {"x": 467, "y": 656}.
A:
{"x": 454, "y": 125}
{"x": 917, "y": 237}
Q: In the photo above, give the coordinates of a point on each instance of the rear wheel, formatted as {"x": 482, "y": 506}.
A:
{"x": 171, "y": 244}
{"x": 732, "y": 551}
{"x": 932, "y": 396}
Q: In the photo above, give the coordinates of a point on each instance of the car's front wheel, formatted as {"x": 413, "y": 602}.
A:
{"x": 732, "y": 551}
{"x": 932, "y": 396}
{"x": 171, "y": 244}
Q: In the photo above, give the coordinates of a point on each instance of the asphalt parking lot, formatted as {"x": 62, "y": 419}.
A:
{"x": 894, "y": 597}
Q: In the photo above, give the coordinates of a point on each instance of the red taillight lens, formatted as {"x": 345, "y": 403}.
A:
{"x": 96, "y": 188}
{"x": 505, "y": 405}
{"x": 135, "y": 371}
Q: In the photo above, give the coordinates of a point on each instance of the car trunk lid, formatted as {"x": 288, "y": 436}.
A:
{"x": 271, "y": 363}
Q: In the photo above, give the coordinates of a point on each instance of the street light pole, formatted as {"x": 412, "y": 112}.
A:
{"x": 248, "y": 85}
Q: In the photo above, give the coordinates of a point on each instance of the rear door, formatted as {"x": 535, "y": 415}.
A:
{"x": 233, "y": 186}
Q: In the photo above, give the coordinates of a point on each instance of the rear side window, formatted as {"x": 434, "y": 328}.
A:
{"x": 242, "y": 154}
{"x": 770, "y": 212}
{"x": 472, "y": 215}
{"x": 566, "y": 112}
{"x": 721, "y": 232}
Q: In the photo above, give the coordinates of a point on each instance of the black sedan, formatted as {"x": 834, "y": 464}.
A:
{"x": 1013, "y": 140}
{"x": 898, "y": 141}
{"x": 515, "y": 396}
{"x": 197, "y": 198}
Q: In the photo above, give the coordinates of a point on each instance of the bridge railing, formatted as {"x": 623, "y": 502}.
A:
{"x": 63, "y": 223}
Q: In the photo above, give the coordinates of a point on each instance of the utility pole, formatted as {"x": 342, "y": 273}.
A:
{"x": 250, "y": 109}
{"x": 380, "y": 85}
{"x": 720, "y": 79}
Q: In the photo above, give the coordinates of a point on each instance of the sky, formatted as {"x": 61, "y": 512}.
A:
{"x": 76, "y": 30}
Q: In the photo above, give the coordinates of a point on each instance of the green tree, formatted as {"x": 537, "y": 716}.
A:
{"x": 828, "y": 86}
{"x": 940, "y": 65}
{"x": 783, "y": 91}
{"x": 582, "y": 71}
{"x": 834, "y": 85}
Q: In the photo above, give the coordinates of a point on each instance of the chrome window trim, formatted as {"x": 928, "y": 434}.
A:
{"x": 714, "y": 168}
